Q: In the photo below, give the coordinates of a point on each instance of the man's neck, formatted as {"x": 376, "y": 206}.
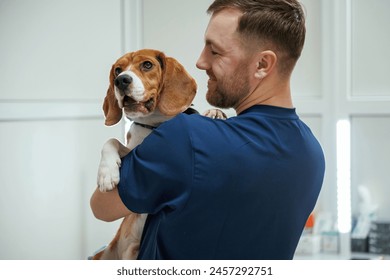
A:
{"x": 279, "y": 96}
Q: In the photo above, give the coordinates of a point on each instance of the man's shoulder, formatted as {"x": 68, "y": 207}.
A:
{"x": 187, "y": 122}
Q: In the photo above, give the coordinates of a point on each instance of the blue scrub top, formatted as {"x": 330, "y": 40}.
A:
{"x": 240, "y": 188}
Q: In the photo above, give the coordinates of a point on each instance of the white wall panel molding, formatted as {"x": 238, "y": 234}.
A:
{"x": 370, "y": 43}
{"x": 357, "y": 67}
{"x": 367, "y": 106}
{"x": 370, "y": 160}
{"x": 44, "y": 110}
{"x": 306, "y": 81}
{"x": 55, "y": 62}
{"x": 132, "y": 25}
{"x": 42, "y": 94}
{"x": 310, "y": 107}
{"x": 57, "y": 50}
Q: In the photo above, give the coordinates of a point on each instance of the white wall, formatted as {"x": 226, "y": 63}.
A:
{"x": 179, "y": 32}
{"x": 369, "y": 101}
{"x": 55, "y": 59}
{"x": 48, "y": 172}
{"x": 50, "y": 48}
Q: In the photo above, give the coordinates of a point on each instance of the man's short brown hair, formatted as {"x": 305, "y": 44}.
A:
{"x": 275, "y": 24}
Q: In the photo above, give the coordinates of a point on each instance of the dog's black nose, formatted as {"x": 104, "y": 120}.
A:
{"x": 123, "y": 81}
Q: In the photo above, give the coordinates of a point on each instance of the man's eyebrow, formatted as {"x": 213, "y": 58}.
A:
{"x": 209, "y": 42}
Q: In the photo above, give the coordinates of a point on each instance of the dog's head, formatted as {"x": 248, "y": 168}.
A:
{"x": 146, "y": 80}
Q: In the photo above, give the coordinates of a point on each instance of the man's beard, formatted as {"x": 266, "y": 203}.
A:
{"x": 228, "y": 91}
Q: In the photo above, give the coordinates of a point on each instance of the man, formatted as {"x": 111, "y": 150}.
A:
{"x": 235, "y": 189}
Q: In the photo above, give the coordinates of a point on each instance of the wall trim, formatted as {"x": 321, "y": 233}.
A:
{"x": 132, "y": 25}
{"x": 49, "y": 110}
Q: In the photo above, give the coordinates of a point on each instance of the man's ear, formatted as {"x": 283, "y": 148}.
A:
{"x": 266, "y": 62}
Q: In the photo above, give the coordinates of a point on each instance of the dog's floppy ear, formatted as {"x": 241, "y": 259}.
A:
{"x": 111, "y": 109}
{"x": 179, "y": 88}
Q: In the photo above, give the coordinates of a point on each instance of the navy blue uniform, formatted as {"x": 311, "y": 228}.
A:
{"x": 240, "y": 188}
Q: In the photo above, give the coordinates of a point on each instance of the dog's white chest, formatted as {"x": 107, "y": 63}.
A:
{"x": 136, "y": 135}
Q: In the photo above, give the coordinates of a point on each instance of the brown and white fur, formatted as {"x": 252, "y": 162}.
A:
{"x": 149, "y": 88}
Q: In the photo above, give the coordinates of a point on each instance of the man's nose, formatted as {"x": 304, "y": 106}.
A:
{"x": 202, "y": 62}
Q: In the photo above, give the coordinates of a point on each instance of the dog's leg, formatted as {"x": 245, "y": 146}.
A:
{"x": 125, "y": 245}
{"x": 108, "y": 172}
{"x": 215, "y": 114}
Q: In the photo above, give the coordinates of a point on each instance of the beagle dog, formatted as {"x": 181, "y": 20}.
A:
{"x": 148, "y": 88}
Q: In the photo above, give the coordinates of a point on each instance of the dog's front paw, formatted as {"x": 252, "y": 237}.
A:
{"x": 215, "y": 114}
{"x": 108, "y": 174}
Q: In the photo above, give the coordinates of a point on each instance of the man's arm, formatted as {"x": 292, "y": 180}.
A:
{"x": 108, "y": 206}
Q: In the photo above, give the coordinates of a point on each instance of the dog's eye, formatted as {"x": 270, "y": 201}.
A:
{"x": 146, "y": 66}
{"x": 118, "y": 70}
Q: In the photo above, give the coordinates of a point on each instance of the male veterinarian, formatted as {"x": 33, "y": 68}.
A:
{"x": 240, "y": 188}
